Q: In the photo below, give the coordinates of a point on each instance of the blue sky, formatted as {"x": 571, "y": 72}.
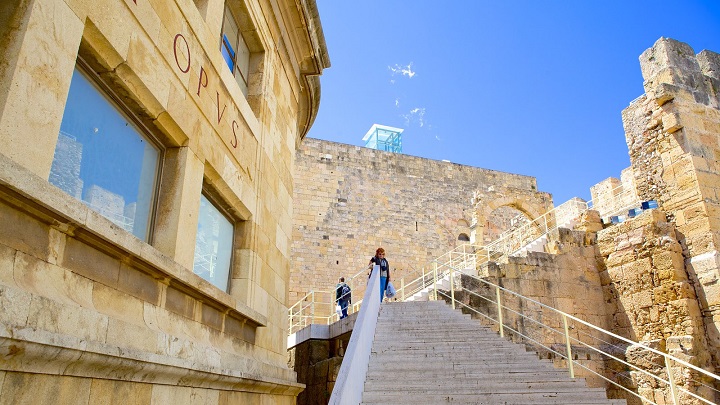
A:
{"x": 528, "y": 87}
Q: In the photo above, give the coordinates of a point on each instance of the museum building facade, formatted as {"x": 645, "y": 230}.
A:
{"x": 146, "y": 151}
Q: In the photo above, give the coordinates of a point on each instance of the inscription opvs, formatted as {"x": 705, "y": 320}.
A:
{"x": 182, "y": 53}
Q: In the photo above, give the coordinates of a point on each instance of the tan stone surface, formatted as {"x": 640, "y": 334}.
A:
{"x": 29, "y": 79}
{"x": 178, "y": 215}
{"x": 350, "y": 200}
{"x": 71, "y": 279}
{"x": 109, "y": 392}
{"x": 28, "y": 389}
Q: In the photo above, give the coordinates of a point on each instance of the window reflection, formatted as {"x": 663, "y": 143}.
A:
{"x": 102, "y": 159}
{"x": 235, "y": 50}
{"x": 213, "y": 245}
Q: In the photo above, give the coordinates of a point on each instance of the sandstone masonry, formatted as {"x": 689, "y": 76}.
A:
{"x": 91, "y": 313}
{"x": 349, "y": 200}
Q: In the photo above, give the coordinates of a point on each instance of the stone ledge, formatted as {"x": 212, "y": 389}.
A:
{"x": 21, "y": 188}
{"x": 110, "y": 363}
{"x": 322, "y": 332}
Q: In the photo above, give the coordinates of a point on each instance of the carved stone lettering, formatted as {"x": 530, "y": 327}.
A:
{"x": 220, "y": 114}
{"x": 200, "y": 79}
{"x": 187, "y": 50}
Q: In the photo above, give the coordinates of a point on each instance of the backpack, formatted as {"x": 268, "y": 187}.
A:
{"x": 344, "y": 291}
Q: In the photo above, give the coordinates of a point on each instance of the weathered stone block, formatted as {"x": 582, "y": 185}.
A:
{"x": 318, "y": 351}
{"x": 126, "y": 335}
{"x": 110, "y": 392}
{"x": 138, "y": 284}
{"x": 21, "y": 232}
{"x": 116, "y": 304}
{"x": 56, "y": 283}
{"x": 709, "y": 62}
{"x": 16, "y": 305}
{"x": 211, "y": 317}
{"x": 179, "y": 302}
{"x": 25, "y": 388}
{"x": 91, "y": 263}
{"x": 168, "y": 394}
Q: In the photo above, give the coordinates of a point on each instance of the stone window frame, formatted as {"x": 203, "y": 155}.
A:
{"x": 106, "y": 90}
{"x": 248, "y": 34}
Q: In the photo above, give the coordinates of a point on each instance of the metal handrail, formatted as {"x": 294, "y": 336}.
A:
{"x": 319, "y": 306}
{"x": 502, "y": 309}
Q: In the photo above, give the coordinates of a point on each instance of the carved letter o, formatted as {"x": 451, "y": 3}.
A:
{"x": 176, "y": 54}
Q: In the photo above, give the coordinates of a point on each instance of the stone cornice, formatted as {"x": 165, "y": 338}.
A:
{"x": 102, "y": 362}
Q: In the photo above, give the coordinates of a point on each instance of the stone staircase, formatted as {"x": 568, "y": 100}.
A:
{"x": 426, "y": 353}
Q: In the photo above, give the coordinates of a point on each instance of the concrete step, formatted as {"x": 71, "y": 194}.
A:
{"x": 426, "y": 353}
{"x": 525, "y": 376}
{"x": 495, "y": 387}
{"x": 486, "y": 399}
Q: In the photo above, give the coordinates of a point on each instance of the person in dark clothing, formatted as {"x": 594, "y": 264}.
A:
{"x": 343, "y": 296}
{"x": 380, "y": 260}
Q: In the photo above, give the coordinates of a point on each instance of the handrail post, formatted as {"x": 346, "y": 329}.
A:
{"x": 435, "y": 280}
{"x": 567, "y": 345}
{"x": 673, "y": 386}
{"x": 402, "y": 288}
{"x": 312, "y": 307}
{"x": 332, "y": 307}
{"x": 452, "y": 287}
{"x": 500, "y": 317}
{"x": 352, "y": 286}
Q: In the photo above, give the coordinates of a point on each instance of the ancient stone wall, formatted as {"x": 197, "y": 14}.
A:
{"x": 650, "y": 298}
{"x": 614, "y": 196}
{"x": 672, "y": 136}
{"x": 350, "y": 200}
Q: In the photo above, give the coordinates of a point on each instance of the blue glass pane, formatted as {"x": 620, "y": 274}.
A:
{"x": 213, "y": 245}
{"x": 228, "y": 53}
{"x": 102, "y": 159}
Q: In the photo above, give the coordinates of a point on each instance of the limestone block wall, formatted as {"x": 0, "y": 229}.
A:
{"x": 672, "y": 135}
{"x": 650, "y": 297}
{"x": 351, "y": 200}
{"x": 90, "y": 313}
{"x": 614, "y": 196}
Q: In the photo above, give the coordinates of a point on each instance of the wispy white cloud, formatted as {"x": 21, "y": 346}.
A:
{"x": 403, "y": 70}
{"x": 416, "y": 115}
{"x": 397, "y": 102}
{"x": 438, "y": 138}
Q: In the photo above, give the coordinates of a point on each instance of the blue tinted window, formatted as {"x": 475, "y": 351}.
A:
{"x": 102, "y": 159}
{"x": 228, "y": 53}
{"x": 213, "y": 245}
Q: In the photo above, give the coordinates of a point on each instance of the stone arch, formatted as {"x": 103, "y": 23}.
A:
{"x": 463, "y": 237}
{"x": 530, "y": 204}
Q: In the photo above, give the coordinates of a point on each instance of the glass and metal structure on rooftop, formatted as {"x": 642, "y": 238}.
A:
{"x": 385, "y": 138}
